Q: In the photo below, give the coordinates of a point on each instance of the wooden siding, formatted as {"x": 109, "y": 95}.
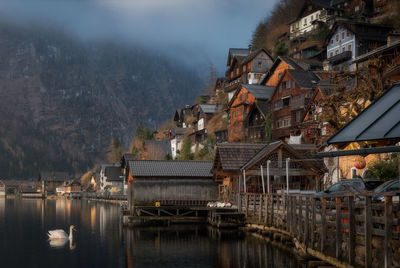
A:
{"x": 238, "y": 111}
{"x": 274, "y": 79}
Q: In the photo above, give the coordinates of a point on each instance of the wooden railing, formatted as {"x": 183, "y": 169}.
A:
{"x": 342, "y": 227}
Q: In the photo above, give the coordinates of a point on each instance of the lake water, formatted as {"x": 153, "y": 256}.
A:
{"x": 101, "y": 242}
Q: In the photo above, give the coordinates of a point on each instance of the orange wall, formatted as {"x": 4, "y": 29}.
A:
{"x": 238, "y": 112}
{"x": 274, "y": 79}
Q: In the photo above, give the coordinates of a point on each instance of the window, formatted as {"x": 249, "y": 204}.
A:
{"x": 337, "y": 51}
{"x": 331, "y": 54}
{"x": 342, "y": 35}
{"x": 348, "y": 33}
{"x": 243, "y": 97}
{"x": 343, "y": 49}
{"x": 278, "y": 105}
{"x": 349, "y": 47}
{"x": 332, "y": 41}
{"x": 279, "y": 76}
{"x": 259, "y": 64}
{"x": 288, "y": 84}
{"x": 337, "y": 37}
{"x": 286, "y": 101}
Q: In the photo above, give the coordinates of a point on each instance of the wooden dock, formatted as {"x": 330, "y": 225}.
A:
{"x": 166, "y": 215}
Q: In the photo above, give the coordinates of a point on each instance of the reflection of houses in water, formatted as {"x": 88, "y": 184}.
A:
{"x": 93, "y": 217}
{"x": 102, "y": 222}
{"x": 2, "y": 189}
{"x": 2, "y": 207}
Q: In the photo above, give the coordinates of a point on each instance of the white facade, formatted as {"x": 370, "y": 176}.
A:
{"x": 176, "y": 145}
{"x": 200, "y": 124}
{"x": 305, "y": 24}
{"x": 340, "y": 42}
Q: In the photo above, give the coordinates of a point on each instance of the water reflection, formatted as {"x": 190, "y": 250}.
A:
{"x": 100, "y": 241}
{"x": 184, "y": 246}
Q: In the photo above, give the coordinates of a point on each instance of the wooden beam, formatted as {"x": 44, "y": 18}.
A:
{"x": 388, "y": 231}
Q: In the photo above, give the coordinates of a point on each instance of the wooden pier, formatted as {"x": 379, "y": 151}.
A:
{"x": 170, "y": 214}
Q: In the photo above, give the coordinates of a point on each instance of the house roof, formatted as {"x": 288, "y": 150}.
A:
{"x": 305, "y": 79}
{"x": 259, "y": 92}
{"x": 303, "y": 64}
{"x": 379, "y": 121}
{"x": 209, "y": 108}
{"x": 233, "y": 156}
{"x": 186, "y": 169}
{"x": 113, "y": 173}
{"x": 235, "y": 52}
{"x": 298, "y": 151}
{"x": 254, "y": 54}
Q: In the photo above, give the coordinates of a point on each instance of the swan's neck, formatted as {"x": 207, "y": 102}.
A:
{"x": 70, "y": 233}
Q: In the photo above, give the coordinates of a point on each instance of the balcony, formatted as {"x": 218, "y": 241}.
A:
{"x": 344, "y": 56}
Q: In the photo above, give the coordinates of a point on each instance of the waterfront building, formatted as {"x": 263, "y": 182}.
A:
{"x": 152, "y": 180}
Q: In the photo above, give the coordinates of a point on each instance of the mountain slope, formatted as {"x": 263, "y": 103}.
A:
{"x": 62, "y": 101}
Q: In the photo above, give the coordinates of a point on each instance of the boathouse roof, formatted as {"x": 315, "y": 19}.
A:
{"x": 165, "y": 168}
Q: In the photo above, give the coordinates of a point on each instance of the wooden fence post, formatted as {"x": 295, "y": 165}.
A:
{"x": 247, "y": 204}
{"x": 352, "y": 231}
{"x": 266, "y": 209}
{"x": 260, "y": 208}
{"x": 313, "y": 222}
{"x": 307, "y": 224}
{"x": 388, "y": 231}
{"x": 323, "y": 223}
{"x": 368, "y": 232}
{"x": 338, "y": 227}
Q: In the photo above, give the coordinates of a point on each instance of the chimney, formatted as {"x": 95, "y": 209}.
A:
{"x": 250, "y": 48}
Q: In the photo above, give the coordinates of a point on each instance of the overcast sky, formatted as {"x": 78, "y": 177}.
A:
{"x": 198, "y": 31}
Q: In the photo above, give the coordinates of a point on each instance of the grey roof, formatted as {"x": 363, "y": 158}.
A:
{"x": 260, "y": 92}
{"x": 244, "y": 52}
{"x": 379, "y": 121}
{"x": 113, "y": 173}
{"x": 263, "y": 107}
{"x": 54, "y": 176}
{"x": 186, "y": 169}
{"x": 254, "y": 54}
{"x": 164, "y": 146}
{"x": 233, "y": 156}
{"x": 298, "y": 152}
{"x": 305, "y": 79}
{"x": 208, "y": 108}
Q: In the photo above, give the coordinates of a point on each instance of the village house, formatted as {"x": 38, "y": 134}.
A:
{"x": 72, "y": 187}
{"x": 312, "y": 13}
{"x": 282, "y": 64}
{"x": 239, "y": 107}
{"x": 51, "y": 180}
{"x": 176, "y": 138}
{"x": 110, "y": 177}
{"x": 289, "y": 100}
{"x": 164, "y": 181}
{"x": 246, "y": 66}
{"x": 202, "y": 114}
{"x": 229, "y": 158}
{"x": 348, "y": 40}
{"x": 237, "y": 167}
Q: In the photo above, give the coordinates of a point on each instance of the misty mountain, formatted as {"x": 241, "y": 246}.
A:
{"x": 62, "y": 100}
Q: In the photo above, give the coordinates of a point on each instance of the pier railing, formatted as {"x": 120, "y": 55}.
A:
{"x": 360, "y": 230}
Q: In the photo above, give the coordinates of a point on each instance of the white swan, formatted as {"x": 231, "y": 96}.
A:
{"x": 61, "y": 234}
